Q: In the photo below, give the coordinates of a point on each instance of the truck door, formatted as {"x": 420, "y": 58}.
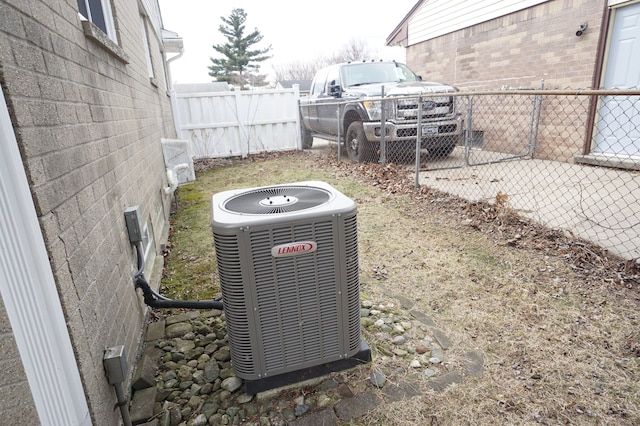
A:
{"x": 310, "y": 110}
{"x": 326, "y": 104}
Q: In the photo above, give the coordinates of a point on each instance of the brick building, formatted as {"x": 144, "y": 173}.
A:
{"x": 517, "y": 44}
{"x": 84, "y": 107}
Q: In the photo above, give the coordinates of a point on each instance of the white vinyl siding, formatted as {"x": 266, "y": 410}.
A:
{"x": 151, "y": 9}
{"x": 613, "y": 3}
{"x": 439, "y": 17}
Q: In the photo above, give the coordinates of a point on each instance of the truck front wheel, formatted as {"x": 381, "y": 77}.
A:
{"x": 358, "y": 147}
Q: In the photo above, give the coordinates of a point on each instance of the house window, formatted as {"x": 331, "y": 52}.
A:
{"x": 145, "y": 44}
{"x": 99, "y": 13}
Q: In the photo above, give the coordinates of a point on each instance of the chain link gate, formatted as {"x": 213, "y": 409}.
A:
{"x": 566, "y": 159}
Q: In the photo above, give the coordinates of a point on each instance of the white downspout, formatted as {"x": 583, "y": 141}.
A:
{"x": 172, "y": 178}
{"x": 30, "y": 296}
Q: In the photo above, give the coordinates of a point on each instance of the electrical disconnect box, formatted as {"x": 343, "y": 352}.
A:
{"x": 134, "y": 225}
{"x": 115, "y": 364}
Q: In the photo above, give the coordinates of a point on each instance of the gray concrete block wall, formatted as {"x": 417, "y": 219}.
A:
{"x": 89, "y": 127}
{"x": 518, "y": 51}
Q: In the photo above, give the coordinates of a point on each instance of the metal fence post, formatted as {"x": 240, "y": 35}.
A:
{"x": 468, "y": 137}
{"x": 383, "y": 129}
{"x": 535, "y": 121}
{"x": 418, "y": 141}
{"x": 339, "y": 127}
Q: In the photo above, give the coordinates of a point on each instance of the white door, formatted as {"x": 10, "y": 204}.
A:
{"x": 619, "y": 124}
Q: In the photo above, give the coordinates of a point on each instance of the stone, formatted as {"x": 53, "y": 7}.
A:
{"x": 423, "y": 318}
{"x": 377, "y": 379}
{"x": 344, "y": 391}
{"x": 428, "y": 372}
{"x": 353, "y": 408}
{"x": 155, "y": 331}
{"x": 142, "y": 404}
{"x": 441, "y": 383}
{"x": 400, "y": 392}
{"x": 211, "y": 371}
{"x": 184, "y": 317}
{"x": 145, "y": 372}
{"x": 198, "y": 377}
{"x": 442, "y": 339}
{"x": 398, "y": 340}
{"x": 200, "y": 420}
{"x": 474, "y": 363}
{"x": 397, "y": 328}
{"x": 421, "y": 349}
{"x": 244, "y": 398}
{"x": 323, "y": 400}
{"x": 328, "y": 384}
{"x": 415, "y": 364}
{"x": 301, "y": 409}
{"x": 325, "y": 417}
{"x": 223, "y": 354}
{"x": 194, "y": 401}
{"x": 439, "y": 353}
{"x": 231, "y": 384}
{"x": 178, "y": 329}
{"x": 182, "y": 345}
{"x": 400, "y": 352}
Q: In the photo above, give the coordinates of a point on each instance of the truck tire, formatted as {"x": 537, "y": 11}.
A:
{"x": 307, "y": 138}
{"x": 360, "y": 150}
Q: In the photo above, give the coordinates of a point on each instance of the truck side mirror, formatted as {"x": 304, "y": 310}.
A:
{"x": 334, "y": 89}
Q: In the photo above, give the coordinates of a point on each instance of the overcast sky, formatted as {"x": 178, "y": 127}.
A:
{"x": 296, "y": 30}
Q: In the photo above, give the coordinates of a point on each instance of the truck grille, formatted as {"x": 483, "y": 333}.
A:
{"x": 435, "y": 108}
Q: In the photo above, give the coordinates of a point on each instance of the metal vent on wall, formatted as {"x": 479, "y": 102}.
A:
{"x": 287, "y": 313}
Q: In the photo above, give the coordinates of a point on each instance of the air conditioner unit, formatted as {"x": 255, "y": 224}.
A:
{"x": 288, "y": 265}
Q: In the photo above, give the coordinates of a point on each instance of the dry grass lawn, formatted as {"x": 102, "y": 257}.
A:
{"x": 557, "y": 321}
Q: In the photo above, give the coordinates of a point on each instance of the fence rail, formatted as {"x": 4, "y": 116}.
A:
{"x": 567, "y": 159}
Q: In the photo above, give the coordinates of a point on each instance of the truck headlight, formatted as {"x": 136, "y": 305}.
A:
{"x": 374, "y": 109}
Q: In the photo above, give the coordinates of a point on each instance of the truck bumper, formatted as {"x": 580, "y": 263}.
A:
{"x": 407, "y": 132}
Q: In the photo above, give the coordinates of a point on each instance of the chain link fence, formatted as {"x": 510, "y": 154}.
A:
{"x": 565, "y": 159}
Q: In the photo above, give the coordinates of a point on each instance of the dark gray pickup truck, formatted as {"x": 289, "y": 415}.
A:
{"x": 344, "y": 104}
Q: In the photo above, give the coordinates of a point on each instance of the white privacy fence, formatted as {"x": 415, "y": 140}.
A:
{"x": 237, "y": 123}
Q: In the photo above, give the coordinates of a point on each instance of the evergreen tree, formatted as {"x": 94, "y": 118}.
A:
{"x": 239, "y": 62}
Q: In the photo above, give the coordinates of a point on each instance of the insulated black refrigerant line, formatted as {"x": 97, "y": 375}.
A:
{"x": 155, "y": 300}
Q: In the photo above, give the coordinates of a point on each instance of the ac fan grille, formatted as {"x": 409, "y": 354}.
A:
{"x": 277, "y": 200}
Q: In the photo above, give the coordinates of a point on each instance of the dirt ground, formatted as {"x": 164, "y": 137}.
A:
{"x": 556, "y": 318}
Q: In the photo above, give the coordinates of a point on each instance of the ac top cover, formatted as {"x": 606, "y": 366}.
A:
{"x": 288, "y": 265}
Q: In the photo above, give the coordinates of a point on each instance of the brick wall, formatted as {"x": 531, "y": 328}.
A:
{"x": 518, "y": 51}
{"x": 89, "y": 124}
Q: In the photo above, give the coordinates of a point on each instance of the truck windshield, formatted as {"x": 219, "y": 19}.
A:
{"x": 376, "y": 72}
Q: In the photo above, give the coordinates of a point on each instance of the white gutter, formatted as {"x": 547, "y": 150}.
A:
{"x": 172, "y": 43}
{"x": 30, "y": 296}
